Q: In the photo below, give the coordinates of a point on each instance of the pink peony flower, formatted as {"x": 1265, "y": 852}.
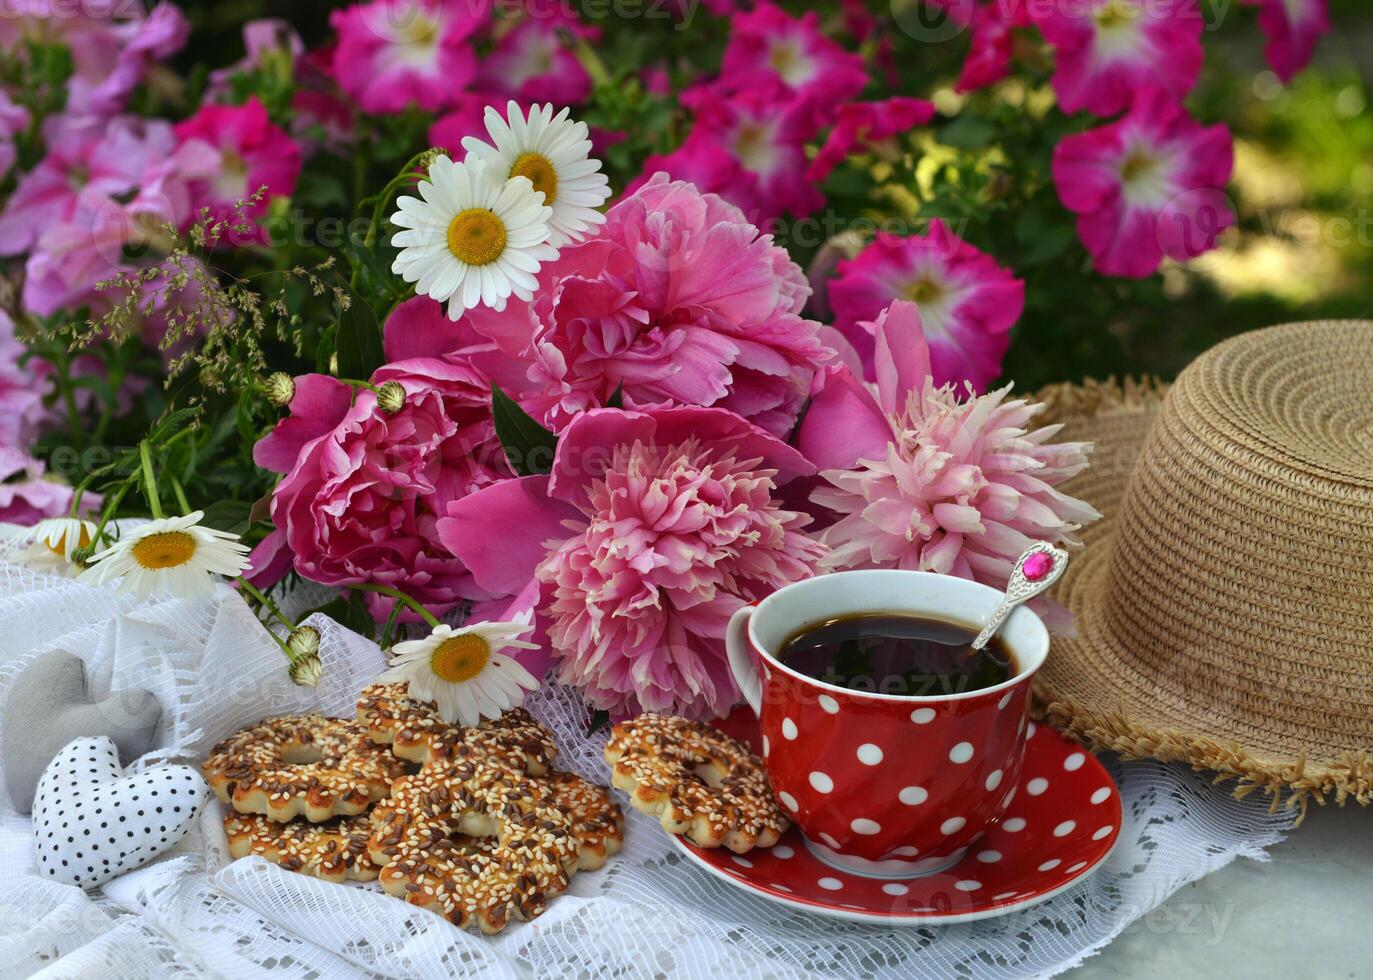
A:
{"x": 1293, "y": 27}
{"x": 26, "y": 495}
{"x": 677, "y": 299}
{"x": 530, "y": 62}
{"x": 921, "y": 480}
{"x": 14, "y": 119}
{"x": 652, "y": 529}
{"x": 362, "y": 490}
{"x": 1107, "y": 49}
{"x": 113, "y": 158}
{"x": 750, "y": 148}
{"x": 397, "y": 53}
{"x": 989, "y": 57}
{"x": 251, "y": 152}
{"x": 767, "y": 47}
{"x": 1146, "y": 186}
{"x": 968, "y": 303}
{"x": 862, "y": 124}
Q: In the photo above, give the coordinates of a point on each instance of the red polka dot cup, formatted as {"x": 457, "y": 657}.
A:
{"x": 886, "y": 784}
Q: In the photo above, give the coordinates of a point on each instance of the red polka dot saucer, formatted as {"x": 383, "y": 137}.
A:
{"x": 1062, "y": 822}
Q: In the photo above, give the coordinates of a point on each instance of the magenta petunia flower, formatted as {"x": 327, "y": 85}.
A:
{"x": 362, "y": 489}
{"x": 1292, "y": 27}
{"x": 677, "y": 299}
{"x": 13, "y": 120}
{"x": 1107, "y": 49}
{"x": 530, "y": 63}
{"x": 989, "y": 54}
{"x": 652, "y": 529}
{"x": 1147, "y": 186}
{"x": 860, "y": 125}
{"x": 968, "y": 302}
{"x": 397, "y": 53}
{"x": 921, "y": 479}
{"x": 466, "y": 118}
{"x": 249, "y": 151}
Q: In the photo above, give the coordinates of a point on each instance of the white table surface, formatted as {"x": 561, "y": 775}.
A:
{"x": 1307, "y": 913}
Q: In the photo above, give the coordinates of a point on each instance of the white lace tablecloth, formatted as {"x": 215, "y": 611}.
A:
{"x": 649, "y": 913}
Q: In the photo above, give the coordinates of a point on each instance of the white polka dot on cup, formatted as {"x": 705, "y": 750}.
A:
{"x": 1074, "y": 761}
{"x": 967, "y": 885}
{"x": 1003, "y": 896}
{"x": 922, "y": 716}
{"x": 866, "y": 827}
{"x": 828, "y": 703}
{"x": 821, "y": 781}
{"x": 1102, "y": 795}
{"x": 894, "y": 888}
{"x": 1005, "y": 700}
{"x": 961, "y": 752}
{"x": 1065, "y": 828}
{"x": 913, "y": 795}
{"x": 1015, "y": 825}
{"x": 742, "y": 862}
{"x": 1102, "y": 832}
{"x": 1076, "y": 867}
{"x": 789, "y": 731}
{"x": 989, "y": 857}
{"x": 906, "y": 851}
{"x": 788, "y": 801}
{"x": 993, "y": 780}
{"x": 830, "y": 884}
{"x": 952, "y": 826}
{"x": 783, "y": 851}
{"x": 765, "y": 746}
{"x": 1050, "y": 864}
{"x": 1036, "y": 786}
{"x": 830, "y": 841}
{"x": 869, "y": 754}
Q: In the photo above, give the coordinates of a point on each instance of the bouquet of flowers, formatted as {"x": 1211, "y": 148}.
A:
{"x": 588, "y": 331}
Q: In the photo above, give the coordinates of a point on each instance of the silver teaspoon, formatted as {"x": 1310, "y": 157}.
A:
{"x": 1035, "y": 570}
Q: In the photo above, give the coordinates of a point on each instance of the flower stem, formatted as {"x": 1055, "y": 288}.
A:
{"x": 149, "y": 481}
{"x": 265, "y": 601}
{"x": 400, "y": 596}
{"x": 111, "y": 506}
{"x": 177, "y": 489}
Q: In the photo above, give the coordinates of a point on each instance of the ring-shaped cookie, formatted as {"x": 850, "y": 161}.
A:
{"x": 333, "y": 851}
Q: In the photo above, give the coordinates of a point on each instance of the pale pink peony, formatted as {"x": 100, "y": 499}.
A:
{"x": 861, "y": 125}
{"x": 398, "y": 53}
{"x": 362, "y": 490}
{"x": 652, "y": 529}
{"x": 677, "y": 299}
{"x": 530, "y": 62}
{"x": 1293, "y": 27}
{"x": 251, "y": 152}
{"x": 1105, "y": 50}
{"x": 922, "y": 480}
{"x": 968, "y": 303}
{"x": 1147, "y": 186}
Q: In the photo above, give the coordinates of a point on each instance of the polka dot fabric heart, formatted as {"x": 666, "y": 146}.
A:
{"x": 91, "y": 822}
{"x": 1063, "y": 820}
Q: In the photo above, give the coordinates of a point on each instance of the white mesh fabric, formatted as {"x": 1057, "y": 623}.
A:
{"x": 649, "y": 913}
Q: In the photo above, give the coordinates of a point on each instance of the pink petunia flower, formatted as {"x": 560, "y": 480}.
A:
{"x": 862, "y": 124}
{"x": 968, "y": 303}
{"x": 23, "y": 386}
{"x": 919, "y": 479}
{"x": 266, "y": 41}
{"x": 652, "y": 529}
{"x": 467, "y": 118}
{"x": 397, "y": 53}
{"x": 362, "y": 490}
{"x": 677, "y": 299}
{"x": 113, "y": 158}
{"x": 13, "y": 120}
{"x": 1107, "y": 49}
{"x": 767, "y": 47}
{"x": 1147, "y": 186}
{"x": 993, "y": 24}
{"x": 530, "y": 62}
{"x": 251, "y": 151}
{"x": 1293, "y": 27}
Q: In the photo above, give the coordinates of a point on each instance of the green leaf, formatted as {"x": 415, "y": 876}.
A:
{"x": 1050, "y": 245}
{"x": 359, "y": 342}
{"x": 617, "y": 397}
{"x": 228, "y": 515}
{"x": 527, "y": 444}
{"x": 350, "y": 612}
{"x": 968, "y": 131}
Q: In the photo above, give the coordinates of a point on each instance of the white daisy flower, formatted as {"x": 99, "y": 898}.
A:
{"x": 174, "y": 555}
{"x": 555, "y": 154}
{"x": 468, "y": 240}
{"x": 54, "y": 542}
{"x": 462, "y": 671}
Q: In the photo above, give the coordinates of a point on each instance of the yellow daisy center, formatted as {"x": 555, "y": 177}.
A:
{"x": 923, "y": 291}
{"x": 169, "y": 549}
{"x": 59, "y": 547}
{"x": 476, "y": 236}
{"x": 539, "y": 169}
{"x": 460, "y": 658}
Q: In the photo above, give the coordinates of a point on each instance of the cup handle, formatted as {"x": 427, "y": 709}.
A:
{"x": 741, "y": 660}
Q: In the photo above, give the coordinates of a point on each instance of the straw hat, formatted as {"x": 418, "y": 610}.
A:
{"x": 1224, "y": 602}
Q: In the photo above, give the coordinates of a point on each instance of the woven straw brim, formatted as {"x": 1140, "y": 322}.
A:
{"x": 1103, "y": 686}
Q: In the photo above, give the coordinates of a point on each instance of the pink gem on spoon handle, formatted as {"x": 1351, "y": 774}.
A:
{"x": 1036, "y": 570}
